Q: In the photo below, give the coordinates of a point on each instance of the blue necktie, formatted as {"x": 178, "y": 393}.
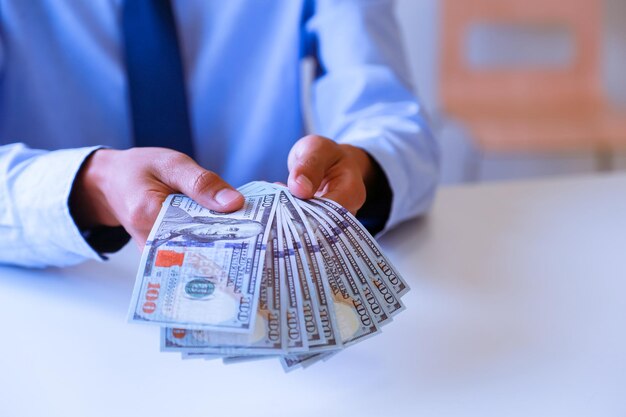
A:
{"x": 156, "y": 83}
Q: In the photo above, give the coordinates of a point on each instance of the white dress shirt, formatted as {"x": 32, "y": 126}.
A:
{"x": 63, "y": 93}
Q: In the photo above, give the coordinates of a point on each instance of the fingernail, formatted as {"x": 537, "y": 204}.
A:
{"x": 226, "y": 196}
{"x": 304, "y": 182}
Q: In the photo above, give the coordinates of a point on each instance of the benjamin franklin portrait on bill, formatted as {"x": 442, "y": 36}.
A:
{"x": 179, "y": 225}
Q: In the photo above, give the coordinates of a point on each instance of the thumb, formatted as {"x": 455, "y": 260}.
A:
{"x": 184, "y": 175}
{"x": 309, "y": 161}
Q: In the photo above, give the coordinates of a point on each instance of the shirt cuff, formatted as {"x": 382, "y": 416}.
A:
{"x": 375, "y": 212}
{"x": 42, "y": 193}
{"x": 412, "y": 177}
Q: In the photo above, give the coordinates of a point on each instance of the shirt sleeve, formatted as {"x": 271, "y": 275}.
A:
{"x": 36, "y": 226}
{"x": 362, "y": 96}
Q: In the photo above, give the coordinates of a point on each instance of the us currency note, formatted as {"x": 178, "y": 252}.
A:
{"x": 319, "y": 281}
{"x": 292, "y": 362}
{"x": 365, "y": 242}
{"x": 352, "y": 271}
{"x": 260, "y": 187}
{"x": 308, "y": 252}
{"x": 310, "y": 303}
{"x": 373, "y": 280}
{"x": 354, "y": 319}
{"x": 205, "y": 356}
{"x": 293, "y": 312}
{"x": 231, "y": 360}
{"x": 197, "y": 267}
{"x": 266, "y": 338}
{"x": 256, "y": 187}
{"x": 311, "y": 324}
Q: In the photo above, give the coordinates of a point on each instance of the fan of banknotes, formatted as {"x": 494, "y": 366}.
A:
{"x": 282, "y": 277}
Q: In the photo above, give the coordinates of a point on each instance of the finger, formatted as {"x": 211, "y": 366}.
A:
{"x": 309, "y": 160}
{"x": 347, "y": 190}
{"x": 207, "y": 188}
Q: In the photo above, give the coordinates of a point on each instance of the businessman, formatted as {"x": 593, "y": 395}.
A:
{"x": 108, "y": 106}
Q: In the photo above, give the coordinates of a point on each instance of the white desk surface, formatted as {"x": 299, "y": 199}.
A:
{"x": 517, "y": 308}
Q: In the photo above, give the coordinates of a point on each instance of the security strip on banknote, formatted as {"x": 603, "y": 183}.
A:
{"x": 281, "y": 278}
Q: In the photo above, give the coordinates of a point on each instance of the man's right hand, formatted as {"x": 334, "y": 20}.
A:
{"x": 127, "y": 188}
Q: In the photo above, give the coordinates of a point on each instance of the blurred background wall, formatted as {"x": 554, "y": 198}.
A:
{"x": 420, "y": 24}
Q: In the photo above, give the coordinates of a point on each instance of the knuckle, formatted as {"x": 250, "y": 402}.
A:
{"x": 136, "y": 215}
{"x": 131, "y": 152}
{"x": 173, "y": 158}
{"x": 141, "y": 213}
{"x": 135, "y": 154}
{"x": 204, "y": 181}
{"x": 310, "y": 161}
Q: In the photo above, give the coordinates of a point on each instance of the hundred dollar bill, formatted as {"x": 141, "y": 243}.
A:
{"x": 293, "y": 312}
{"x": 311, "y": 256}
{"x": 352, "y": 271}
{"x": 196, "y": 270}
{"x": 312, "y": 321}
{"x": 308, "y": 253}
{"x": 374, "y": 284}
{"x": 256, "y": 187}
{"x": 354, "y": 319}
{"x": 266, "y": 338}
{"x": 364, "y": 242}
{"x": 304, "y": 360}
{"x": 292, "y": 362}
{"x": 205, "y": 356}
{"x": 260, "y": 187}
{"x": 231, "y": 360}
